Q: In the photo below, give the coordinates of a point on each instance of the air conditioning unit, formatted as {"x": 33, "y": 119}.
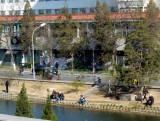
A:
{"x": 15, "y": 40}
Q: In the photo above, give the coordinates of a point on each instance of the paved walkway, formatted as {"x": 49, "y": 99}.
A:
{"x": 65, "y": 76}
{"x": 16, "y": 118}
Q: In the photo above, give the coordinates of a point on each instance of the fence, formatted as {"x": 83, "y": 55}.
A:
{"x": 104, "y": 106}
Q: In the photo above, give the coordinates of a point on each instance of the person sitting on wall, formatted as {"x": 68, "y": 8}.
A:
{"x": 145, "y": 92}
{"x": 57, "y": 99}
{"x": 57, "y": 96}
{"x": 61, "y": 96}
{"x": 53, "y": 95}
{"x": 82, "y": 100}
{"x": 149, "y": 101}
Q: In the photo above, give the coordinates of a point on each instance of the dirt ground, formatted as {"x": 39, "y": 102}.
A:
{"x": 39, "y": 90}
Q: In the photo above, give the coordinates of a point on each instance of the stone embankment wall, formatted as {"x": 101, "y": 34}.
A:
{"x": 103, "y": 106}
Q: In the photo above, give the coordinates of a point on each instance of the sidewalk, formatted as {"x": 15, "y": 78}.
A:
{"x": 65, "y": 76}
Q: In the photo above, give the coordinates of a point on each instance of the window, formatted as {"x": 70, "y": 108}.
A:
{"x": 91, "y": 10}
{"x": 34, "y": 12}
{"x": 6, "y": 28}
{"x": 10, "y": 1}
{"x": 16, "y": 1}
{"x": 10, "y": 13}
{"x": 48, "y": 11}
{"x": 17, "y": 12}
{"x": 41, "y": 11}
{"x": 114, "y": 9}
{"x": 82, "y": 10}
{"x": 2, "y": 13}
{"x": 74, "y": 10}
{"x": 57, "y": 11}
{"x": 3, "y": 28}
{"x": 14, "y": 28}
{"x": 2, "y": 1}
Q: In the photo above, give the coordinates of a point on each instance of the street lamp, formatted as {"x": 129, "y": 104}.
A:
{"x": 75, "y": 41}
{"x": 33, "y": 66}
{"x": 93, "y": 44}
{"x": 93, "y": 58}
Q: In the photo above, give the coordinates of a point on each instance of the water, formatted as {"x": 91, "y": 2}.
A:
{"x": 72, "y": 114}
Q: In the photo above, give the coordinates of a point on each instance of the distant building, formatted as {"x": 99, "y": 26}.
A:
{"x": 132, "y": 5}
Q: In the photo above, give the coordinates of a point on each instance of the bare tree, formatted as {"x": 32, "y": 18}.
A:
{"x": 8, "y": 32}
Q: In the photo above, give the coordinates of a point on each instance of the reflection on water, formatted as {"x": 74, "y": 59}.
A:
{"x": 72, "y": 114}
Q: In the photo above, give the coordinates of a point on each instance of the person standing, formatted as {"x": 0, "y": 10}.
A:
{"x": 7, "y": 85}
{"x": 56, "y": 66}
{"x": 99, "y": 80}
{"x": 21, "y": 70}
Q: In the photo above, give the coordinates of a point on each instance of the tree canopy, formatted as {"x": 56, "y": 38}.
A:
{"x": 142, "y": 47}
{"x": 103, "y": 31}
{"x": 27, "y": 26}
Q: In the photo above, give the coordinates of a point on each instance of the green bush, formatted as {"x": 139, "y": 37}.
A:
{"x": 23, "y": 107}
{"x": 47, "y": 111}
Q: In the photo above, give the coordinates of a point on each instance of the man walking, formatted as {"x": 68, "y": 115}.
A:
{"x": 56, "y": 66}
{"x": 6, "y": 85}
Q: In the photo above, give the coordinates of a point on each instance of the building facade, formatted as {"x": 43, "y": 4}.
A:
{"x": 41, "y": 7}
{"x": 11, "y": 11}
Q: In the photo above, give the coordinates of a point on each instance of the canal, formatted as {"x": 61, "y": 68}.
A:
{"x": 73, "y": 114}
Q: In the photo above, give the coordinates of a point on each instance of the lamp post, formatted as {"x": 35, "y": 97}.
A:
{"x": 33, "y": 66}
{"x": 75, "y": 41}
{"x": 93, "y": 44}
{"x": 93, "y": 59}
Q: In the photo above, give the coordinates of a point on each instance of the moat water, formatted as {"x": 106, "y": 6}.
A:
{"x": 74, "y": 114}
